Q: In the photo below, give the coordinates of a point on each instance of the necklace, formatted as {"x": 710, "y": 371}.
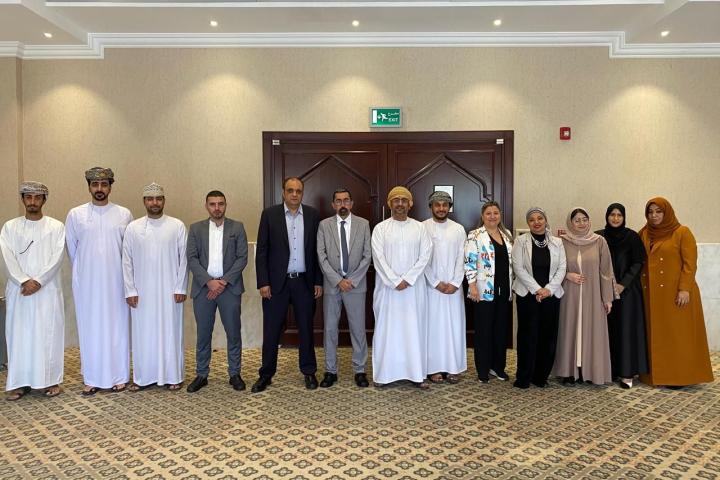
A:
{"x": 540, "y": 244}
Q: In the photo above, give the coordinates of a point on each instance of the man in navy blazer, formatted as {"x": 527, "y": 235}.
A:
{"x": 217, "y": 253}
{"x": 288, "y": 273}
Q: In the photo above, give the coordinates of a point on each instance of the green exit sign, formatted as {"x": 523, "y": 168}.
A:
{"x": 385, "y": 117}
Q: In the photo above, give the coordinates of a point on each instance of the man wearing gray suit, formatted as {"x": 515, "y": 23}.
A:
{"x": 344, "y": 254}
{"x": 217, "y": 254}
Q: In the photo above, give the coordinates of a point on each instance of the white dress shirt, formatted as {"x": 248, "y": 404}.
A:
{"x": 347, "y": 236}
{"x": 215, "y": 253}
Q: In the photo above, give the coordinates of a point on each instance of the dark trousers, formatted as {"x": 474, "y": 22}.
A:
{"x": 536, "y": 338}
{"x": 296, "y": 293}
{"x": 490, "y": 321}
{"x": 229, "y": 305}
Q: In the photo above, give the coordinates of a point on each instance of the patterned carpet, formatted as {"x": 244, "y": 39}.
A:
{"x": 459, "y": 431}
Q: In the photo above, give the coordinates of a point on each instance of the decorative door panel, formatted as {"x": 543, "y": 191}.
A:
{"x": 473, "y": 171}
{"x": 323, "y": 171}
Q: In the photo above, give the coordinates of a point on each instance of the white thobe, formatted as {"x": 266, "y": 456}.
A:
{"x": 94, "y": 241}
{"x": 35, "y": 324}
{"x": 446, "y": 313}
{"x": 155, "y": 270}
{"x": 401, "y": 251}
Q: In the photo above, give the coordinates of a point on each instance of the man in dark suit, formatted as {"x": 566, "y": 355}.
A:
{"x": 288, "y": 273}
{"x": 217, "y": 254}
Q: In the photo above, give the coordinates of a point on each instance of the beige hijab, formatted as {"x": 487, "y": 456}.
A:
{"x": 579, "y": 236}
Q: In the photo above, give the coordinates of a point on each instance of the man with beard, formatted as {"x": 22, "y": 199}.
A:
{"x": 401, "y": 250}
{"x": 32, "y": 247}
{"x": 288, "y": 274}
{"x": 155, "y": 273}
{"x": 446, "y": 356}
{"x": 217, "y": 253}
{"x": 94, "y": 233}
{"x": 343, "y": 247}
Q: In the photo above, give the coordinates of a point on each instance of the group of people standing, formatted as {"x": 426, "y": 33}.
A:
{"x": 121, "y": 269}
{"x": 591, "y": 306}
{"x": 615, "y": 305}
{"x": 419, "y": 274}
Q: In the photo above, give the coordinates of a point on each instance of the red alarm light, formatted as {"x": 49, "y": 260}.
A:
{"x": 564, "y": 133}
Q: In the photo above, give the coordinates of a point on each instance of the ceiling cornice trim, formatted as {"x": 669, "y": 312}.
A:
{"x": 353, "y": 4}
{"x": 11, "y": 49}
{"x": 614, "y": 41}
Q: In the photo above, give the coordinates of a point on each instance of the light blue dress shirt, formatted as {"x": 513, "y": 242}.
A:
{"x": 296, "y": 239}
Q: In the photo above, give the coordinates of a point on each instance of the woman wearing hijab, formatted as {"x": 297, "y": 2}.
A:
{"x": 675, "y": 324}
{"x": 583, "y": 348}
{"x": 488, "y": 268}
{"x": 539, "y": 267}
{"x": 626, "y": 321}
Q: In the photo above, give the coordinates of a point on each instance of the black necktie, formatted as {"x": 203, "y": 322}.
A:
{"x": 343, "y": 247}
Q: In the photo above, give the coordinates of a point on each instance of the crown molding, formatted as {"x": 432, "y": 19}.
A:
{"x": 614, "y": 41}
{"x": 11, "y": 49}
{"x": 349, "y": 3}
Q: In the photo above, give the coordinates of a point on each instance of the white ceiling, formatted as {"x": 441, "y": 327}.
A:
{"x": 629, "y": 28}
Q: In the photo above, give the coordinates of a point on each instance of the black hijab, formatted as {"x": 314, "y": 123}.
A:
{"x": 615, "y": 235}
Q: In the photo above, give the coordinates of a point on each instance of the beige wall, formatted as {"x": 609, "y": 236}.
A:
{"x": 10, "y": 140}
{"x": 192, "y": 120}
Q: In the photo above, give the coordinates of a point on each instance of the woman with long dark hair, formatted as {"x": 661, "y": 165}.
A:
{"x": 488, "y": 269}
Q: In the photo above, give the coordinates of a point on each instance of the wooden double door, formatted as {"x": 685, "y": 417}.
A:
{"x": 478, "y": 166}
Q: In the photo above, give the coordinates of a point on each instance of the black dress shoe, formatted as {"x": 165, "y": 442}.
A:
{"x": 541, "y": 384}
{"x": 361, "y": 380}
{"x": 261, "y": 384}
{"x": 311, "y": 382}
{"x": 522, "y": 385}
{"x": 237, "y": 382}
{"x": 328, "y": 380}
{"x": 197, "y": 384}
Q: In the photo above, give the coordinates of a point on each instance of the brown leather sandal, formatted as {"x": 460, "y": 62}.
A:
{"x": 17, "y": 394}
{"x": 452, "y": 378}
{"x": 52, "y": 391}
{"x": 90, "y": 391}
{"x": 134, "y": 387}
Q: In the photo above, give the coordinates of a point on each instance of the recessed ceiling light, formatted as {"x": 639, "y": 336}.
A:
{"x": 665, "y": 33}
{"x": 355, "y": 23}
{"x": 213, "y": 23}
{"x": 497, "y": 22}
{"x": 47, "y": 35}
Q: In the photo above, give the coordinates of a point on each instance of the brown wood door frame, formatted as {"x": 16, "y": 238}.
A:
{"x": 272, "y": 178}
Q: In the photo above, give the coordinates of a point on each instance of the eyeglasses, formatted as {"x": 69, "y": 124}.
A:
{"x": 341, "y": 201}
